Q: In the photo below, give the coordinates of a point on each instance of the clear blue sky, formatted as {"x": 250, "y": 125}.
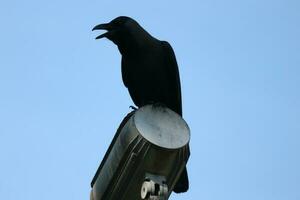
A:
{"x": 62, "y": 97}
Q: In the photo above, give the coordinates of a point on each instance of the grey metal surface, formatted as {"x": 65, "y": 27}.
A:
{"x": 145, "y": 143}
{"x": 162, "y": 127}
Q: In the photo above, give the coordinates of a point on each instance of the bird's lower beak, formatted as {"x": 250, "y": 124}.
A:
{"x": 102, "y": 35}
{"x": 102, "y": 27}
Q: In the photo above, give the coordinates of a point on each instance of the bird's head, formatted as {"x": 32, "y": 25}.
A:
{"x": 125, "y": 32}
{"x": 117, "y": 30}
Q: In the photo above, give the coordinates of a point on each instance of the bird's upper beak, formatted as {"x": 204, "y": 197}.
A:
{"x": 103, "y": 27}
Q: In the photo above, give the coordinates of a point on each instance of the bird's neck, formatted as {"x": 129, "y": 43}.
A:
{"x": 138, "y": 40}
{"x": 136, "y": 45}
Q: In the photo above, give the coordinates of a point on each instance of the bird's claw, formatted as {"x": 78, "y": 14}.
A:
{"x": 133, "y": 108}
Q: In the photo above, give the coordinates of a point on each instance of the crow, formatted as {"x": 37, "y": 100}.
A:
{"x": 149, "y": 70}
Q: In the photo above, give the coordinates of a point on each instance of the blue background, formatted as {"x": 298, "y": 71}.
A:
{"x": 62, "y": 97}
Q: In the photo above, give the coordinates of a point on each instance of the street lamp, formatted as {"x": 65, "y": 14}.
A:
{"x": 145, "y": 158}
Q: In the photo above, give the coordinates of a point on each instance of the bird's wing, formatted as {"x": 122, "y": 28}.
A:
{"x": 172, "y": 70}
{"x": 124, "y": 72}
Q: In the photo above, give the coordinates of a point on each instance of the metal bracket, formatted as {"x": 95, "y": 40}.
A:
{"x": 153, "y": 190}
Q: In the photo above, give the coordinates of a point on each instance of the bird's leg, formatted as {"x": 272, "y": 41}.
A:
{"x": 133, "y": 108}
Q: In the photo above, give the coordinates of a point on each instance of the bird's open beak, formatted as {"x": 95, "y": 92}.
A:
{"x": 102, "y": 27}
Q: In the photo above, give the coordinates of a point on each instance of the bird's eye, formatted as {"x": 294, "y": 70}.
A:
{"x": 118, "y": 22}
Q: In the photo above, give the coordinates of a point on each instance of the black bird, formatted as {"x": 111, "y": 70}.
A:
{"x": 149, "y": 69}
